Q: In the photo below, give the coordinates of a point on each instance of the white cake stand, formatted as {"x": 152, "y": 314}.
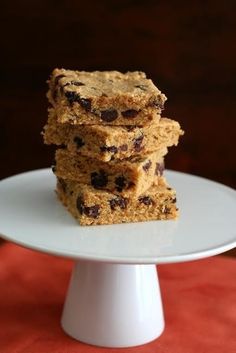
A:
{"x": 114, "y": 298}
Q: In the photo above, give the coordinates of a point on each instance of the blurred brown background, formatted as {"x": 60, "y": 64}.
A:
{"x": 187, "y": 48}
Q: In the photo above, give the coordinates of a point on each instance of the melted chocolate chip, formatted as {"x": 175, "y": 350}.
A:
{"x": 147, "y": 166}
{"x": 112, "y": 149}
{"x": 99, "y": 180}
{"x": 159, "y": 169}
{"x": 109, "y": 115}
{"x": 142, "y": 87}
{"x": 118, "y": 201}
{"x": 85, "y": 103}
{"x": 123, "y": 148}
{"x": 92, "y": 211}
{"x": 73, "y": 97}
{"x": 79, "y": 142}
{"x": 120, "y": 183}
{"x": 174, "y": 200}
{"x": 169, "y": 188}
{"x": 146, "y": 200}
{"x": 130, "y": 113}
{"x": 137, "y": 143}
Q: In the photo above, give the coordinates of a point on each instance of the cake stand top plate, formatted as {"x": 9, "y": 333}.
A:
{"x": 31, "y": 216}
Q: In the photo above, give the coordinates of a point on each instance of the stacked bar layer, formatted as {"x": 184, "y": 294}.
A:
{"x": 107, "y": 97}
{"x": 112, "y": 142}
{"x": 128, "y": 176}
{"x": 92, "y": 207}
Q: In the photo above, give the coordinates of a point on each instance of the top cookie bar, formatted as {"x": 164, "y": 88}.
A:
{"x": 107, "y": 98}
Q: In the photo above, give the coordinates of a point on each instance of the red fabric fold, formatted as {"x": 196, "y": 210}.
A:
{"x": 199, "y": 300}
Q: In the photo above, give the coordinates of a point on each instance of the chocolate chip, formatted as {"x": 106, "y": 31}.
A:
{"x": 120, "y": 182}
{"x": 169, "y": 188}
{"x": 146, "y": 200}
{"x": 147, "y": 166}
{"x": 130, "y": 113}
{"x": 53, "y": 168}
{"x": 80, "y": 204}
{"x": 73, "y": 97}
{"x": 92, "y": 211}
{"x": 159, "y": 168}
{"x": 112, "y": 149}
{"x": 99, "y": 180}
{"x": 85, "y": 103}
{"x": 137, "y": 143}
{"x": 174, "y": 200}
{"x": 142, "y": 87}
{"x": 118, "y": 201}
{"x": 109, "y": 115}
{"x": 79, "y": 142}
{"x": 123, "y": 148}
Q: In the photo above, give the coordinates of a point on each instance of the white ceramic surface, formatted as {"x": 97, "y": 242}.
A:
{"x": 113, "y": 305}
{"x": 30, "y": 215}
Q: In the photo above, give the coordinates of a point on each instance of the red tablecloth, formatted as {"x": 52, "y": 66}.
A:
{"x": 199, "y": 301}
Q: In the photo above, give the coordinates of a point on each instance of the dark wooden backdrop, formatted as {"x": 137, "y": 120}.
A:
{"x": 186, "y": 47}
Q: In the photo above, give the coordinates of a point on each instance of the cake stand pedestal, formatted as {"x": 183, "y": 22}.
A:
{"x": 114, "y": 298}
{"x": 113, "y": 305}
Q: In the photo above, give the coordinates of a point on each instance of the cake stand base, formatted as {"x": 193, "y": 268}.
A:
{"x": 112, "y": 305}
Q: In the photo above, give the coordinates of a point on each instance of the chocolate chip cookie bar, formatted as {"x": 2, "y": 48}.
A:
{"x": 129, "y": 176}
{"x": 92, "y": 207}
{"x": 108, "y": 97}
{"x": 112, "y": 142}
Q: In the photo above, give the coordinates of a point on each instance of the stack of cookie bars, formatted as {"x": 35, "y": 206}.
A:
{"x": 111, "y": 142}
